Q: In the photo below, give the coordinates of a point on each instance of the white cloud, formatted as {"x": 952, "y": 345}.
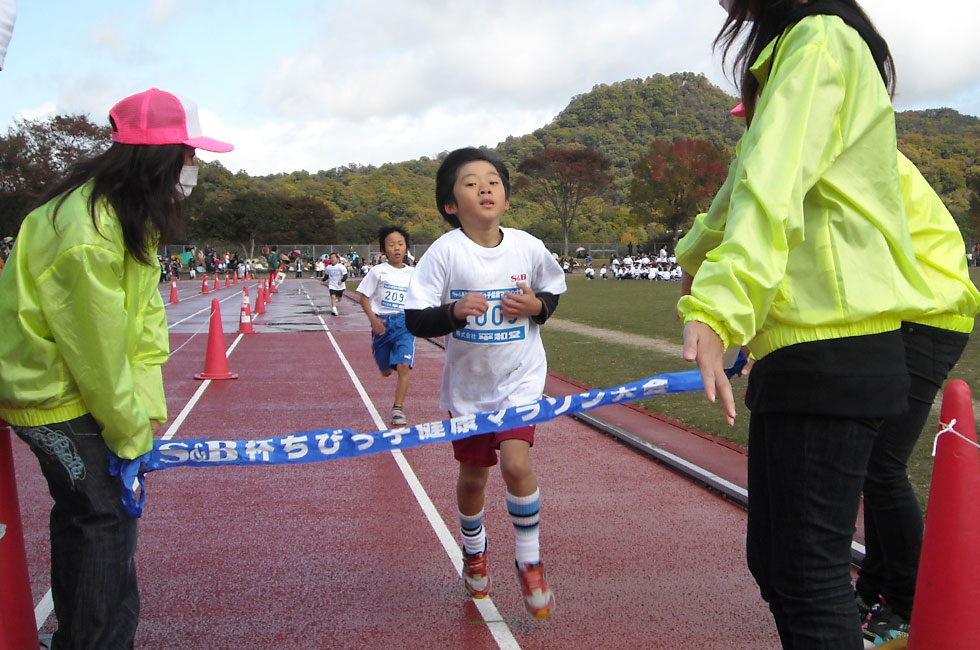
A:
{"x": 322, "y": 83}
{"x": 44, "y": 111}
{"x": 381, "y": 58}
{"x": 161, "y": 11}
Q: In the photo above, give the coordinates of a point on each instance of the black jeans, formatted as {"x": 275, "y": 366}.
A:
{"x": 892, "y": 516}
{"x": 93, "y": 541}
{"x": 805, "y": 474}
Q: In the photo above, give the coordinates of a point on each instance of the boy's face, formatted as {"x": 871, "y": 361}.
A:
{"x": 480, "y": 196}
{"x": 395, "y": 248}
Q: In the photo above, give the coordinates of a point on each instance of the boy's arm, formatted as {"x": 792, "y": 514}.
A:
{"x": 377, "y": 326}
{"x": 549, "y": 302}
{"x": 433, "y": 321}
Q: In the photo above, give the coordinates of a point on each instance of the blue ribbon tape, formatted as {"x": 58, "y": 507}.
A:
{"x": 333, "y": 444}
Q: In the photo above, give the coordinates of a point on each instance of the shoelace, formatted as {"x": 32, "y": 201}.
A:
{"x": 533, "y": 578}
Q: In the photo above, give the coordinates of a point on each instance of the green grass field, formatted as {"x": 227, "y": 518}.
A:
{"x": 647, "y": 308}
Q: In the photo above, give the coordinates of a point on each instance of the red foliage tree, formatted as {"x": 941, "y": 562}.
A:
{"x": 563, "y": 177}
{"x": 676, "y": 180}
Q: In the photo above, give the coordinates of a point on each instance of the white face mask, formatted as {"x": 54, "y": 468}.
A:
{"x": 188, "y": 179}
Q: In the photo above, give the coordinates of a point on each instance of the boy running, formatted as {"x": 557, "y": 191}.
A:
{"x": 489, "y": 289}
{"x": 336, "y": 276}
{"x": 383, "y": 300}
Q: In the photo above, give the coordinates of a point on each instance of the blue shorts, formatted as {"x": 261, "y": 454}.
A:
{"x": 396, "y": 345}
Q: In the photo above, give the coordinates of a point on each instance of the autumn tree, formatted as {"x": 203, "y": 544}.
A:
{"x": 675, "y": 181}
{"x": 246, "y": 218}
{"x": 562, "y": 178}
{"x": 973, "y": 185}
{"x": 307, "y": 220}
{"x": 37, "y": 153}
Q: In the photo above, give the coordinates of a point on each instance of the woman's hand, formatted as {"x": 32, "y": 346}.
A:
{"x": 703, "y": 345}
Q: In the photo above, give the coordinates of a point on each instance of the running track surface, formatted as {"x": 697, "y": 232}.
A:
{"x": 342, "y": 554}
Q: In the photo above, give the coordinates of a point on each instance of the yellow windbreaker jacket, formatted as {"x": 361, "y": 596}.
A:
{"x": 940, "y": 252}
{"x": 84, "y": 328}
{"x": 814, "y": 243}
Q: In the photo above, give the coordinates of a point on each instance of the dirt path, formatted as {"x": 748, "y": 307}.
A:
{"x": 616, "y": 337}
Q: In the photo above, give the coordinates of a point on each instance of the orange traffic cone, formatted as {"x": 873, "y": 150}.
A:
{"x": 272, "y": 285}
{"x": 204, "y": 284}
{"x": 259, "y": 300}
{"x": 217, "y": 284}
{"x": 245, "y": 319}
{"x": 173, "y": 292}
{"x": 235, "y": 277}
{"x": 216, "y": 362}
{"x": 947, "y": 589}
{"x": 227, "y": 279}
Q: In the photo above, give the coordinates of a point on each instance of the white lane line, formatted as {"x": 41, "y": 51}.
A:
{"x": 46, "y": 606}
{"x": 491, "y": 615}
{"x": 43, "y": 609}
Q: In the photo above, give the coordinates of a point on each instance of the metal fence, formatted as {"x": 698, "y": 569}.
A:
{"x": 596, "y": 250}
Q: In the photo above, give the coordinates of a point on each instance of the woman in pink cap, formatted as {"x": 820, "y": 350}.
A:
{"x": 80, "y": 362}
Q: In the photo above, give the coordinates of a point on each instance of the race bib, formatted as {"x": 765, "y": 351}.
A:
{"x": 393, "y": 296}
{"x": 491, "y": 327}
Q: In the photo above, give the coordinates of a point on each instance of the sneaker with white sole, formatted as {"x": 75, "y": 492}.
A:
{"x": 333, "y": 310}
{"x": 476, "y": 574}
{"x": 539, "y": 600}
{"x": 397, "y": 417}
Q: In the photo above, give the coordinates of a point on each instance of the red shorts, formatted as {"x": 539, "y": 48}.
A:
{"x": 481, "y": 450}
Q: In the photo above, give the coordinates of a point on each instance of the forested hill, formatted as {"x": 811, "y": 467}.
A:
{"x": 945, "y": 145}
{"x": 348, "y": 204}
{"x": 620, "y": 120}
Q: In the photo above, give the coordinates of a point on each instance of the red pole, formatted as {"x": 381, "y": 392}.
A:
{"x": 17, "y": 626}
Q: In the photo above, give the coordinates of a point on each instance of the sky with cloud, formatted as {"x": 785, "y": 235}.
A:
{"x": 316, "y": 84}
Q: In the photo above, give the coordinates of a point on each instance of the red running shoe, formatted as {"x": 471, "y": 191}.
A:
{"x": 538, "y": 597}
{"x": 476, "y": 575}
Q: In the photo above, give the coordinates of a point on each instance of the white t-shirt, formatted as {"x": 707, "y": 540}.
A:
{"x": 335, "y": 273}
{"x": 386, "y": 286}
{"x": 491, "y": 363}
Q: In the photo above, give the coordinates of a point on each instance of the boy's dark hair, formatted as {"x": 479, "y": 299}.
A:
{"x": 449, "y": 172}
{"x": 767, "y": 19}
{"x": 387, "y": 230}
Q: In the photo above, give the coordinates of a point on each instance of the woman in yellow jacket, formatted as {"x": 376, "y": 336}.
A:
{"x": 85, "y": 334}
{"x": 934, "y": 342}
{"x": 814, "y": 272}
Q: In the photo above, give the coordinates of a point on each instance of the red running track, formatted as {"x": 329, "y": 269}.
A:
{"x": 341, "y": 554}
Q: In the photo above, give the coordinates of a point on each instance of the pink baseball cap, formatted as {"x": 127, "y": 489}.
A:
{"x": 155, "y": 116}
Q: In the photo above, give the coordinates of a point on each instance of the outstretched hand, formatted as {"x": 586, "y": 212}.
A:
{"x": 523, "y": 304}
{"x": 703, "y": 345}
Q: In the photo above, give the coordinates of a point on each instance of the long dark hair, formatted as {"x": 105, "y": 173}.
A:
{"x": 770, "y": 18}
{"x": 139, "y": 182}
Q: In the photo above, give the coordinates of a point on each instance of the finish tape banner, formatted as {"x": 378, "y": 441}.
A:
{"x": 333, "y": 444}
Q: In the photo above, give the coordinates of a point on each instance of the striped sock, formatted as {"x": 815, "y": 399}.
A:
{"x": 472, "y": 533}
{"x": 525, "y": 512}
